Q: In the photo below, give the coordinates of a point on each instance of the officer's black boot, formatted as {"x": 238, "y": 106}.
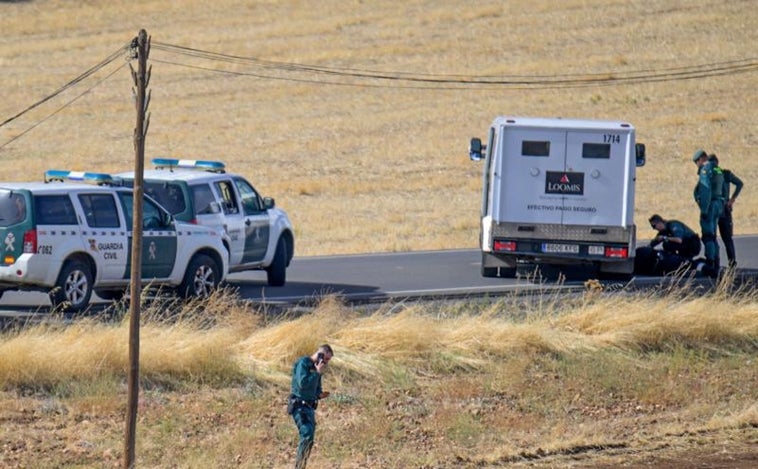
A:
{"x": 711, "y": 268}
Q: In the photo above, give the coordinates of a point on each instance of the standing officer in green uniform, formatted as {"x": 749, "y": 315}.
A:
{"x": 303, "y": 401}
{"x": 726, "y": 226}
{"x": 709, "y": 195}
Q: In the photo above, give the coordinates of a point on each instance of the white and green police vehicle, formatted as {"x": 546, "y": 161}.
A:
{"x": 557, "y": 192}
{"x": 73, "y": 238}
{"x": 258, "y": 235}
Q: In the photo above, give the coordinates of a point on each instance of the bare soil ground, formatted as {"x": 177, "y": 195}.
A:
{"x": 42, "y": 432}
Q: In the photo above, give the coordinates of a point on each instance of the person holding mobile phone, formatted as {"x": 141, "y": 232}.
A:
{"x": 304, "y": 396}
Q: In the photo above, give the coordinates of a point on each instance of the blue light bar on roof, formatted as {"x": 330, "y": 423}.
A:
{"x": 94, "y": 178}
{"x": 170, "y": 163}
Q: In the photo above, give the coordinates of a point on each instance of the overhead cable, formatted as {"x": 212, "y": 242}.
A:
{"x": 79, "y": 79}
{"x": 459, "y": 81}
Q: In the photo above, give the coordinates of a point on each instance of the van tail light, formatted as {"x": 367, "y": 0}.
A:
{"x": 504, "y": 245}
{"x": 193, "y": 221}
{"x": 30, "y": 242}
{"x": 616, "y": 252}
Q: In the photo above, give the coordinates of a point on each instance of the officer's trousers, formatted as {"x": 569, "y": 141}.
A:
{"x": 305, "y": 419}
{"x": 726, "y": 231}
{"x": 708, "y": 225}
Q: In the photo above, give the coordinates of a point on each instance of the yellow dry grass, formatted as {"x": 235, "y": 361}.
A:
{"x": 376, "y": 166}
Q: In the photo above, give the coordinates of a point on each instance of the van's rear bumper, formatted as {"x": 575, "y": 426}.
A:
{"x": 559, "y": 244}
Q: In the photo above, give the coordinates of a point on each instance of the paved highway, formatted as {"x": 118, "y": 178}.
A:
{"x": 378, "y": 277}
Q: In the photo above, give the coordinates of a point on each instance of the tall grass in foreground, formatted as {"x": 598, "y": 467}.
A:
{"x": 477, "y": 382}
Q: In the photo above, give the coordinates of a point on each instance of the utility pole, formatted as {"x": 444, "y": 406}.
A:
{"x": 141, "y": 78}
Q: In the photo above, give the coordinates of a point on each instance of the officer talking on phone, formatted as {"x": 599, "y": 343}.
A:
{"x": 304, "y": 396}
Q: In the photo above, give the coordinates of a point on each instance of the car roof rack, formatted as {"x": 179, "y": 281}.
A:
{"x": 203, "y": 165}
{"x": 101, "y": 179}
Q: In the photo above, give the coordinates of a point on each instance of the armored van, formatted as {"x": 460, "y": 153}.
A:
{"x": 558, "y": 191}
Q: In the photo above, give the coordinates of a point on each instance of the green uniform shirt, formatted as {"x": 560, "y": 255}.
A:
{"x": 675, "y": 229}
{"x": 306, "y": 381}
{"x": 710, "y": 186}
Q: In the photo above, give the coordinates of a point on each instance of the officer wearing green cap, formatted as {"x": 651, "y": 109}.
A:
{"x": 709, "y": 196}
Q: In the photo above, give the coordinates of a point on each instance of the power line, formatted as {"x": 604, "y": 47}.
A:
{"x": 68, "y": 103}
{"x": 70, "y": 84}
{"x": 367, "y": 78}
{"x": 462, "y": 81}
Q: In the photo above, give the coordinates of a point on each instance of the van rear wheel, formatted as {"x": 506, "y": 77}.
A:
{"x": 74, "y": 287}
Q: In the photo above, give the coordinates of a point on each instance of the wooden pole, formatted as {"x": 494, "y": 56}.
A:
{"x": 142, "y": 99}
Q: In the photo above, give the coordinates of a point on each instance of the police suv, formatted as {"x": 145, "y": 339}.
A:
{"x": 73, "y": 238}
{"x": 257, "y": 234}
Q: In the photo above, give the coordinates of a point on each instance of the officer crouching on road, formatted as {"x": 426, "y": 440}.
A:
{"x": 679, "y": 245}
{"x": 677, "y": 238}
{"x": 305, "y": 394}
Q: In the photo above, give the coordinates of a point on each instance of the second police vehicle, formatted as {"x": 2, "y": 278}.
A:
{"x": 258, "y": 235}
{"x": 74, "y": 238}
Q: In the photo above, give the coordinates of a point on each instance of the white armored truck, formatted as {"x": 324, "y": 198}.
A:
{"x": 558, "y": 191}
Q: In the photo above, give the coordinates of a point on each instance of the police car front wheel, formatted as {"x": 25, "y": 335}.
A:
{"x": 201, "y": 278}
{"x": 73, "y": 290}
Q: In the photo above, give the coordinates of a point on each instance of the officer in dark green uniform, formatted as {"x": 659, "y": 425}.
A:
{"x": 726, "y": 226}
{"x": 677, "y": 238}
{"x": 305, "y": 394}
{"x": 709, "y": 195}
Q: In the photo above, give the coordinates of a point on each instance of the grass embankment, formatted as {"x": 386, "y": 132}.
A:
{"x": 590, "y": 379}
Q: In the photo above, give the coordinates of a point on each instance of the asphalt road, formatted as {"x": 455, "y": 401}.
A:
{"x": 379, "y": 277}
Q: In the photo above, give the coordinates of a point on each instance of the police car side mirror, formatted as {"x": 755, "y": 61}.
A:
{"x": 214, "y": 207}
{"x": 475, "y": 149}
{"x": 268, "y": 203}
{"x": 640, "y": 153}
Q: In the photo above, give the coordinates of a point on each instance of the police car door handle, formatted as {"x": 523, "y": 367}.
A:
{"x": 247, "y": 221}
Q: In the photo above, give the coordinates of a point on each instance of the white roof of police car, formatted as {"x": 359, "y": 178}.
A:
{"x": 54, "y": 185}
{"x": 189, "y": 175}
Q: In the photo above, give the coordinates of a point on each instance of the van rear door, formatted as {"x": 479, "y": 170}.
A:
{"x": 598, "y": 159}
{"x": 531, "y": 158}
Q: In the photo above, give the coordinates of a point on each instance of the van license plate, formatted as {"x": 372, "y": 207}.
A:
{"x": 560, "y": 248}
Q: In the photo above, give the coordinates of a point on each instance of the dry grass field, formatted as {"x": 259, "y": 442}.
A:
{"x": 368, "y": 164}
{"x": 365, "y": 164}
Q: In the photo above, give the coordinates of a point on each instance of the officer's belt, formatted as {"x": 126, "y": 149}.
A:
{"x": 298, "y": 401}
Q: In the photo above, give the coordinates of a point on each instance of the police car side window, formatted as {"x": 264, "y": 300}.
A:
{"x": 168, "y": 195}
{"x": 228, "y": 197}
{"x": 100, "y": 210}
{"x": 12, "y": 208}
{"x": 54, "y": 210}
{"x": 250, "y": 200}
{"x": 203, "y": 199}
{"x": 151, "y": 214}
